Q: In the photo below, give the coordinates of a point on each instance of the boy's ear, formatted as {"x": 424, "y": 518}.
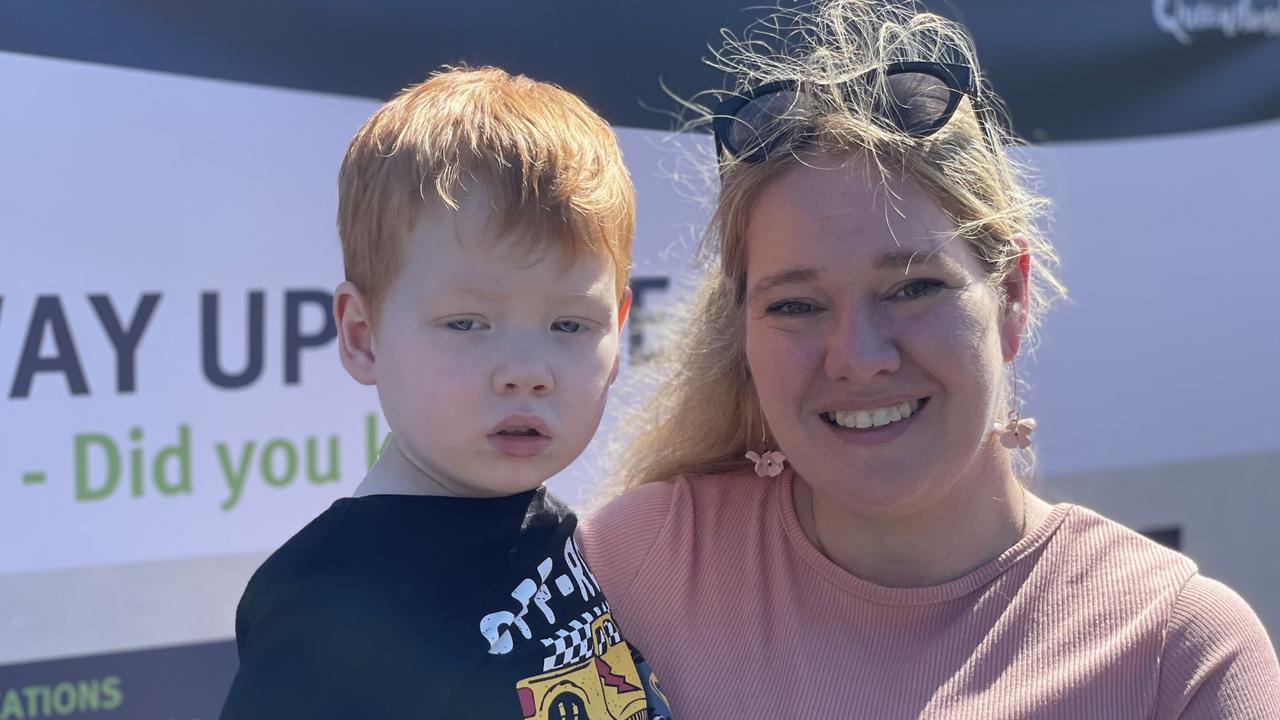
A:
{"x": 624, "y": 307}
{"x": 355, "y": 333}
{"x": 1015, "y": 290}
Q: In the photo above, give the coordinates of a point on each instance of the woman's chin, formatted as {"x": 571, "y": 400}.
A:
{"x": 881, "y": 484}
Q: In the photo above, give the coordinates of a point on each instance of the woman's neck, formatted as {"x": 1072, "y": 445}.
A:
{"x": 966, "y": 528}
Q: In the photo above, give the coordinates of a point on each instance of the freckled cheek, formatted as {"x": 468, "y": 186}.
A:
{"x": 427, "y": 371}
{"x": 601, "y": 362}
{"x": 964, "y": 354}
{"x": 783, "y": 363}
{"x": 581, "y": 365}
{"x": 434, "y": 394}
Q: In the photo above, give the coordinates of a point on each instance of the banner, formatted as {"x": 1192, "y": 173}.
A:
{"x": 173, "y": 404}
{"x": 1090, "y": 69}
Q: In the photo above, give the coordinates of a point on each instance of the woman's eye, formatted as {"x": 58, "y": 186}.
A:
{"x": 790, "y": 307}
{"x": 463, "y": 325}
{"x": 566, "y": 326}
{"x": 917, "y": 288}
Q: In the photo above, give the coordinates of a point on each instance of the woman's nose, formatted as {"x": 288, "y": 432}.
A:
{"x": 860, "y": 346}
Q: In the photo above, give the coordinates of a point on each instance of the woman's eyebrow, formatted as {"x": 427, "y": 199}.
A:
{"x": 904, "y": 260}
{"x": 935, "y": 261}
{"x": 889, "y": 261}
{"x": 786, "y": 277}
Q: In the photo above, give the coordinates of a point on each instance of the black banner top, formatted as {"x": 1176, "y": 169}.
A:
{"x": 1081, "y": 70}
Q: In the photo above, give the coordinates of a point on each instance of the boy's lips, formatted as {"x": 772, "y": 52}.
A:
{"x": 520, "y": 436}
{"x": 526, "y": 425}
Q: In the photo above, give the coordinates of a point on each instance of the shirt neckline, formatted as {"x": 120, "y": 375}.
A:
{"x": 950, "y": 590}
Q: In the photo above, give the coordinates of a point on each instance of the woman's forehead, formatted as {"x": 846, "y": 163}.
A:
{"x": 851, "y": 207}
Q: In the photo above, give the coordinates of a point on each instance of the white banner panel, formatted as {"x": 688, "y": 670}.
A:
{"x": 208, "y": 203}
{"x": 171, "y": 390}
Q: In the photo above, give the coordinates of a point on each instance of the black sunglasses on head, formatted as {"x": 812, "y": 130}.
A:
{"x": 922, "y": 96}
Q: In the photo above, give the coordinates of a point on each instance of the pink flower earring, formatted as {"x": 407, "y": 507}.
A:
{"x": 769, "y": 463}
{"x": 1015, "y": 433}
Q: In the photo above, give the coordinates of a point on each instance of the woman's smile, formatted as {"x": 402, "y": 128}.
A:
{"x": 878, "y": 426}
{"x": 873, "y": 418}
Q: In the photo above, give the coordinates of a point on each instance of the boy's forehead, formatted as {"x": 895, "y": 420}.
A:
{"x": 505, "y": 270}
{"x": 477, "y": 234}
{"x": 470, "y": 254}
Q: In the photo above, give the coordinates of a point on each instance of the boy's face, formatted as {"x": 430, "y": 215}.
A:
{"x": 493, "y": 362}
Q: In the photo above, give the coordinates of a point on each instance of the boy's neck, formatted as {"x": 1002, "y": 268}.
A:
{"x": 394, "y": 474}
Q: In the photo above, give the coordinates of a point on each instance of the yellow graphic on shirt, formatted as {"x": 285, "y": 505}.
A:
{"x": 604, "y": 686}
{"x": 656, "y": 688}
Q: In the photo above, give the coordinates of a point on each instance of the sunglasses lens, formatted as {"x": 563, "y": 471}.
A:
{"x": 919, "y": 103}
{"x": 758, "y": 125}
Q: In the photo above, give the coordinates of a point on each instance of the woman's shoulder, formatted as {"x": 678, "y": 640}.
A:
{"x": 1217, "y": 659}
{"x": 1208, "y": 611}
{"x": 619, "y": 537}
{"x": 1112, "y": 578}
{"x": 1093, "y": 542}
{"x": 643, "y": 508}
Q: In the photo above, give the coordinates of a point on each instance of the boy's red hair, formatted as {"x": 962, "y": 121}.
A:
{"x": 551, "y": 165}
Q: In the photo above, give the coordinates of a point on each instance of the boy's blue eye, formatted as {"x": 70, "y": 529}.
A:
{"x": 566, "y": 326}
{"x": 918, "y": 288}
{"x": 463, "y": 325}
{"x": 790, "y": 307}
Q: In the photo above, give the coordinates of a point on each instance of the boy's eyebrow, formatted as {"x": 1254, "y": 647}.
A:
{"x": 491, "y": 292}
{"x": 481, "y": 290}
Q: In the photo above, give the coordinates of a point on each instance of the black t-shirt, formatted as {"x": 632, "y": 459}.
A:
{"x": 397, "y": 606}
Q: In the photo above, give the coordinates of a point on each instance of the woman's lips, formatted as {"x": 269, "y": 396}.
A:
{"x": 875, "y": 435}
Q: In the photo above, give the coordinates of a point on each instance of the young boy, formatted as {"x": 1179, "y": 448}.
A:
{"x": 486, "y": 225}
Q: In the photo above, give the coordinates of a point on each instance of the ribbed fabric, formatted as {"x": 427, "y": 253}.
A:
{"x": 741, "y": 617}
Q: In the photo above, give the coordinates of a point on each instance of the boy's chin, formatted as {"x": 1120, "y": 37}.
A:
{"x": 508, "y": 481}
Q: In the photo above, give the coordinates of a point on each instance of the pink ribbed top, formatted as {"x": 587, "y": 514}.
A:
{"x": 742, "y": 618}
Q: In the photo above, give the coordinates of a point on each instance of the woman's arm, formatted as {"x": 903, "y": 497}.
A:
{"x": 1217, "y": 661}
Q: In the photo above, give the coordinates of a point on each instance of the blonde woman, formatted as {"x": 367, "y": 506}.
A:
{"x": 824, "y": 516}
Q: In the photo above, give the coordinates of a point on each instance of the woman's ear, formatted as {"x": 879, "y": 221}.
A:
{"x": 355, "y": 333}
{"x": 1015, "y": 292}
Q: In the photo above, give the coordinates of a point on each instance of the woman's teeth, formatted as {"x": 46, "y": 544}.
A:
{"x": 878, "y": 417}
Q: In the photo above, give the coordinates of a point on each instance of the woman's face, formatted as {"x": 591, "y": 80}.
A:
{"x": 874, "y": 338}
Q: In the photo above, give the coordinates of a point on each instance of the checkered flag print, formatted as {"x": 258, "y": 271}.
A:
{"x": 614, "y": 636}
{"x": 573, "y": 645}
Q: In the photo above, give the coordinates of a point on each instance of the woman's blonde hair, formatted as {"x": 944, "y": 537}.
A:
{"x": 705, "y": 415}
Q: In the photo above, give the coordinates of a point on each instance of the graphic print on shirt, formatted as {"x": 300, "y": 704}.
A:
{"x": 589, "y": 672}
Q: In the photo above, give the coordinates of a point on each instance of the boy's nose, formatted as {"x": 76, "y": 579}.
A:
{"x": 515, "y": 377}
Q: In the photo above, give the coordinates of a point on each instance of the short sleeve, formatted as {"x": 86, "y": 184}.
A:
{"x": 322, "y": 650}
{"x": 618, "y": 538}
{"x": 1218, "y": 661}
